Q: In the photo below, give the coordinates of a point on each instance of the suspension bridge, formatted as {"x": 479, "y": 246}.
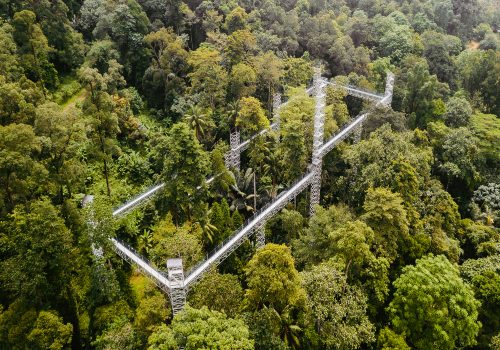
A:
{"x": 175, "y": 282}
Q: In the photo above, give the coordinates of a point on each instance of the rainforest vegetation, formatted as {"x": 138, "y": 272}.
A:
{"x": 107, "y": 98}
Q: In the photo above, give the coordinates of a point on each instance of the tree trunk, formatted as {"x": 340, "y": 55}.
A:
{"x": 107, "y": 177}
{"x": 254, "y": 194}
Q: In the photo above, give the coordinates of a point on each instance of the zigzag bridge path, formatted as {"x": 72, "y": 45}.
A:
{"x": 176, "y": 283}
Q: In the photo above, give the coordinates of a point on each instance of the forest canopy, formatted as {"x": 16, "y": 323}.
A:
{"x": 100, "y": 100}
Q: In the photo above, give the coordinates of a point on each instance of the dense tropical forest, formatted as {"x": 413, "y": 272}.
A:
{"x": 109, "y": 97}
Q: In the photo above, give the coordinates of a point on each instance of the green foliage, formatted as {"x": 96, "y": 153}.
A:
{"x": 200, "y": 121}
{"x": 273, "y": 281}
{"x": 16, "y": 323}
{"x": 296, "y": 71}
{"x": 119, "y": 335}
{"x": 202, "y": 329}
{"x": 243, "y": 81}
{"x": 18, "y": 101}
{"x": 221, "y": 292}
{"x": 251, "y": 117}
{"x": 486, "y": 127}
{"x": 68, "y": 88}
{"x": 433, "y": 307}
{"x": 388, "y": 340}
{"x": 183, "y": 170}
{"x": 369, "y": 159}
{"x": 479, "y": 70}
{"x": 41, "y": 259}
{"x": 197, "y": 70}
{"x": 458, "y": 157}
{"x": 181, "y": 243}
{"x": 416, "y": 89}
{"x": 208, "y": 77}
{"x": 314, "y": 244}
{"x": 458, "y": 112}
{"x": 151, "y": 312}
{"x": 18, "y": 169}
{"x": 34, "y": 49}
{"x": 50, "y": 332}
{"x": 486, "y": 203}
{"x": 294, "y": 151}
{"x": 338, "y": 309}
{"x": 236, "y": 20}
{"x": 169, "y": 64}
{"x": 241, "y": 46}
{"x": 397, "y": 43}
{"x": 385, "y": 214}
{"x": 487, "y": 291}
{"x": 10, "y": 66}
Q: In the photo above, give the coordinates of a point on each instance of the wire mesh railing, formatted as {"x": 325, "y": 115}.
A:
{"x": 259, "y": 216}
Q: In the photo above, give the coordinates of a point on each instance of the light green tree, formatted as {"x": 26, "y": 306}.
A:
{"x": 251, "y": 117}
{"x": 273, "y": 280}
{"x": 314, "y": 244}
{"x": 293, "y": 149}
{"x": 208, "y": 77}
{"x": 243, "y": 80}
{"x": 389, "y": 340}
{"x": 202, "y": 329}
{"x": 386, "y": 215}
{"x": 433, "y": 306}
{"x": 236, "y": 20}
{"x": 50, "y": 332}
{"x": 241, "y": 46}
{"x": 183, "y": 242}
{"x": 338, "y": 309}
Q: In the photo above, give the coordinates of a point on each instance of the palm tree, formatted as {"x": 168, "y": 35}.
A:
{"x": 146, "y": 241}
{"x": 233, "y": 108}
{"x": 242, "y": 194}
{"x": 199, "y": 120}
{"x": 273, "y": 168}
{"x": 207, "y": 228}
{"x": 290, "y": 332}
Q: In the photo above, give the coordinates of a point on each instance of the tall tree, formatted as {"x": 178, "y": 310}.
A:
{"x": 385, "y": 214}
{"x": 163, "y": 81}
{"x": 338, "y": 309}
{"x": 222, "y": 292}
{"x": 34, "y": 49}
{"x": 40, "y": 259}
{"x": 50, "y": 331}
{"x": 273, "y": 280}
{"x": 243, "y": 81}
{"x": 63, "y": 138}
{"x": 21, "y": 175}
{"x": 185, "y": 168}
{"x": 208, "y": 77}
{"x": 433, "y": 307}
{"x": 99, "y": 108}
{"x": 458, "y": 112}
{"x": 251, "y": 117}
